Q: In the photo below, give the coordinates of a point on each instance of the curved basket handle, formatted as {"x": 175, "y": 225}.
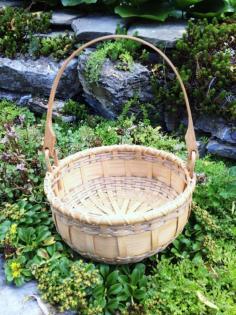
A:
{"x": 50, "y": 138}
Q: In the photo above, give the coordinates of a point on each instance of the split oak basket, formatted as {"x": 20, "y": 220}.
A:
{"x": 122, "y": 203}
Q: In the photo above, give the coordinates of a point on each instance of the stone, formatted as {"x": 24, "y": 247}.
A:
{"x": 36, "y": 76}
{"x": 18, "y": 98}
{"x": 11, "y": 4}
{"x": 37, "y": 104}
{"x": 165, "y": 34}
{"x": 222, "y": 149}
{"x": 217, "y": 127}
{"x": 64, "y": 17}
{"x": 55, "y": 34}
{"x": 17, "y": 301}
{"x": 202, "y": 150}
{"x": 92, "y": 26}
{"x": 40, "y": 106}
{"x": 114, "y": 87}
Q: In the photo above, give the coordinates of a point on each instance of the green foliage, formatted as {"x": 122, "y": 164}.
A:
{"x": 192, "y": 288}
{"x": 206, "y": 64}
{"x": 74, "y": 108}
{"x": 121, "y": 288}
{"x": 17, "y": 28}
{"x": 20, "y": 167}
{"x": 122, "y": 50}
{"x": 194, "y": 275}
{"x": 58, "y": 47}
{"x": 69, "y": 284}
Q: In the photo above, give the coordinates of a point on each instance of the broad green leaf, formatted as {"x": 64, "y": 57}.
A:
{"x": 26, "y": 234}
{"x": 112, "y": 278}
{"x": 140, "y": 294}
{"x": 153, "y": 10}
{"x": 211, "y": 8}
{"x": 113, "y": 305}
{"x": 137, "y": 273}
{"x": 104, "y": 270}
{"x": 19, "y": 281}
{"x": 98, "y": 290}
{"x": 42, "y": 234}
{"x": 4, "y": 227}
{"x": 115, "y": 289}
{"x": 49, "y": 241}
{"x": 43, "y": 253}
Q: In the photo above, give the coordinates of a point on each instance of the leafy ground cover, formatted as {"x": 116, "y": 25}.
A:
{"x": 195, "y": 275}
{"x": 19, "y": 31}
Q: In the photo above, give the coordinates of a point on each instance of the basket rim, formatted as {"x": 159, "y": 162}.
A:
{"x": 118, "y": 219}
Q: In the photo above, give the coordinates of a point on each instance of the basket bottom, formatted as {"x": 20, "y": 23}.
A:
{"x": 107, "y": 196}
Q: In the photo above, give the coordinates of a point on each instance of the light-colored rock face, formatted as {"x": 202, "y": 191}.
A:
{"x": 64, "y": 17}
{"x": 37, "y": 76}
{"x": 11, "y": 3}
{"x": 92, "y": 26}
{"x": 37, "y": 104}
{"x": 166, "y": 33}
{"x": 216, "y": 147}
{"x": 217, "y": 127}
{"x": 114, "y": 87}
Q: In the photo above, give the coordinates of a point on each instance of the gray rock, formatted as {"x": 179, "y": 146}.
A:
{"x": 64, "y": 17}
{"x": 36, "y": 76}
{"x": 159, "y": 33}
{"x": 40, "y": 105}
{"x": 202, "y": 148}
{"x": 217, "y": 127}
{"x": 222, "y": 149}
{"x": 55, "y": 34}
{"x": 36, "y": 104}
{"x": 114, "y": 87}
{"x": 11, "y": 4}
{"x": 171, "y": 120}
{"x": 92, "y": 26}
{"x": 18, "y": 98}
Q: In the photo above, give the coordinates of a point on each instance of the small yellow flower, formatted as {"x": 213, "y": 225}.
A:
{"x": 15, "y": 266}
{"x": 13, "y": 229}
{"x": 16, "y": 273}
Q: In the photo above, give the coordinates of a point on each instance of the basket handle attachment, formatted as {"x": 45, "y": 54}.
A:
{"x": 50, "y": 138}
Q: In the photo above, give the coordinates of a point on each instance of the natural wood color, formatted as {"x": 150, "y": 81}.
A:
{"x": 119, "y": 204}
{"x": 50, "y": 138}
{"x": 116, "y": 216}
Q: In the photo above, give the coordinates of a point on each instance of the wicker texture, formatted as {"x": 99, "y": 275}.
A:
{"x": 119, "y": 204}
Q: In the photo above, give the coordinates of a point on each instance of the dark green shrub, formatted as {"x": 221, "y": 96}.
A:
{"x": 205, "y": 58}
{"x": 17, "y": 28}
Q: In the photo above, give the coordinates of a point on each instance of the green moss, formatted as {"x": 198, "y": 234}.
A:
{"x": 76, "y": 109}
{"x": 122, "y": 50}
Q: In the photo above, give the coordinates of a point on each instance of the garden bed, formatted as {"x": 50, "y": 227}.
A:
{"x": 196, "y": 274}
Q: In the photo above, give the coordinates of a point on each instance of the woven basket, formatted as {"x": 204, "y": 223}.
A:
{"x": 119, "y": 204}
